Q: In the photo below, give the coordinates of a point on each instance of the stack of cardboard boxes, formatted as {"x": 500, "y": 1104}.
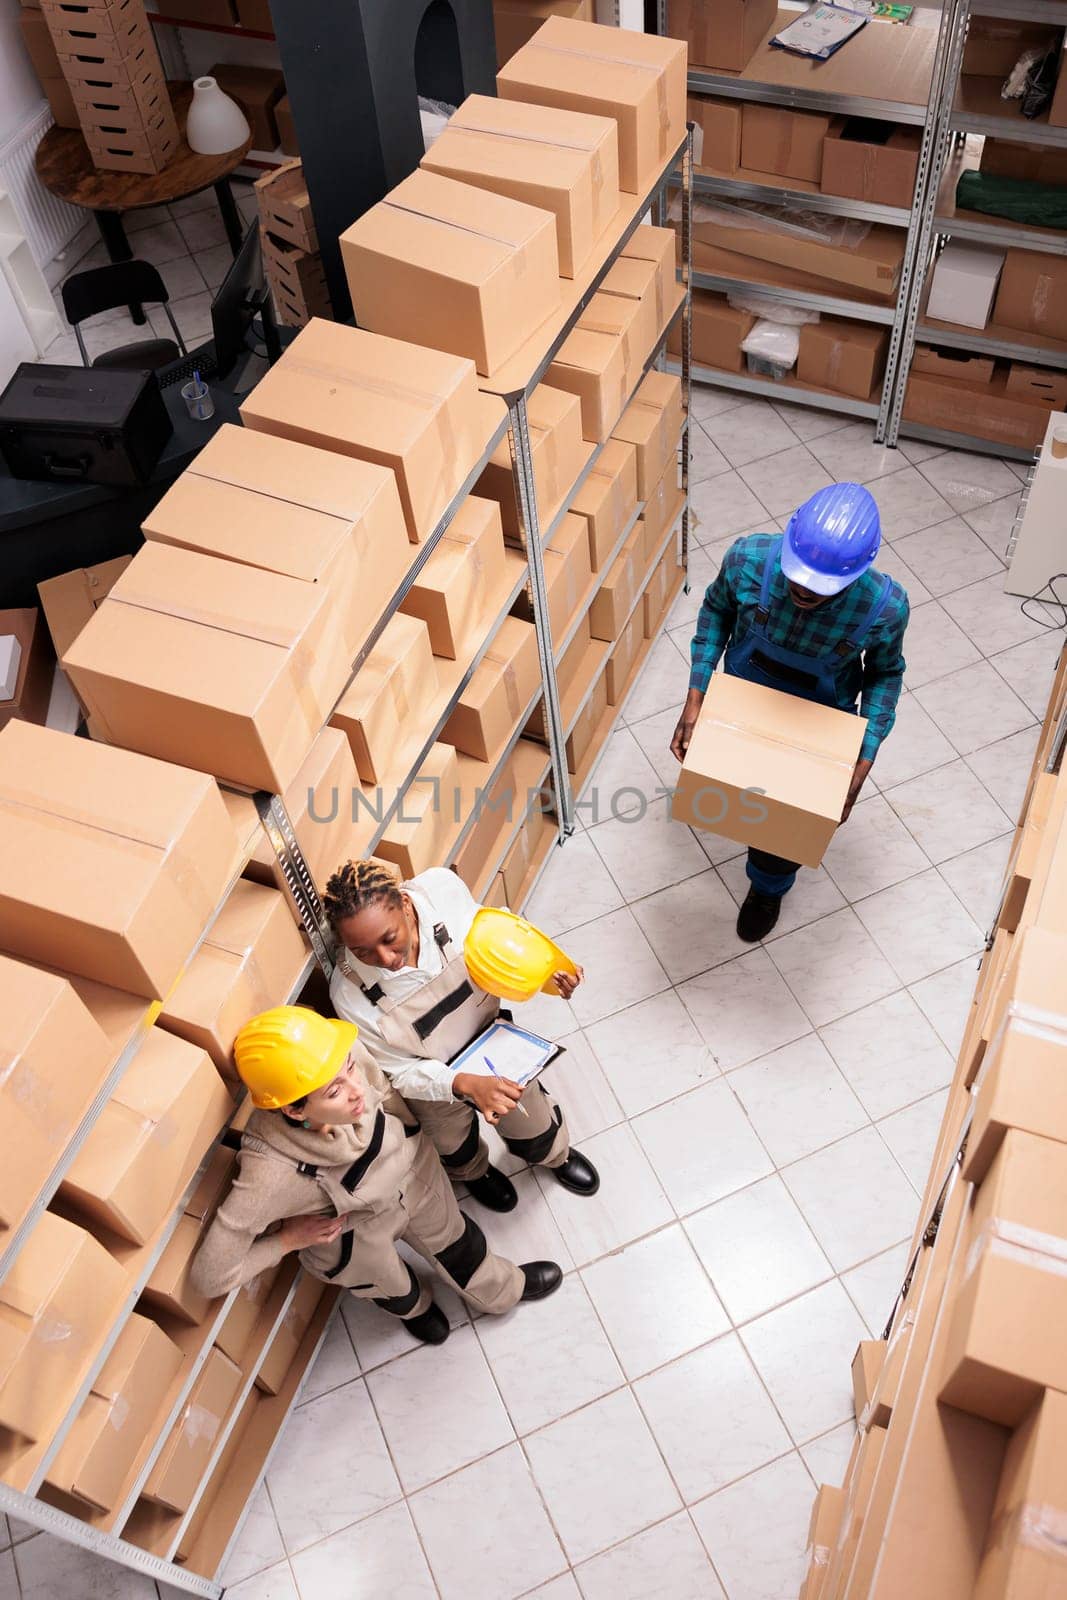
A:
{"x": 108, "y": 58}
{"x": 291, "y": 247}
{"x": 516, "y": 21}
{"x": 956, "y": 1483}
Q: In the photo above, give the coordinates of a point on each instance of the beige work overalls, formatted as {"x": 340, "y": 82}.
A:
{"x": 438, "y": 1023}
{"x": 396, "y": 1189}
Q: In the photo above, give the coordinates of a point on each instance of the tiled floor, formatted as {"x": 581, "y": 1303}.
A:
{"x": 762, "y": 1118}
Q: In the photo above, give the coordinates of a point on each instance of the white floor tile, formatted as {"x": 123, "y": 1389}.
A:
{"x": 336, "y": 1363}
{"x": 850, "y": 455}
{"x": 529, "y": 1233}
{"x": 803, "y": 1351}
{"x": 655, "y": 1301}
{"x": 582, "y": 1088}
{"x": 667, "y": 1560}
{"x": 889, "y": 1053}
{"x": 948, "y": 811}
{"x": 623, "y": 780}
{"x": 202, "y": 229}
{"x": 1029, "y": 668}
{"x": 504, "y": 1547}
{"x": 630, "y": 1202}
{"x": 654, "y": 735}
{"x": 725, "y": 505}
{"x": 260, "y": 1542}
{"x": 873, "y": 1285}
{"x": 833, "y": 967}
{"x": 1004, "y": 767}
{"x": 620, "y": 966}
{"x": 377, "y": 1337}
{"x": 873, "y": 849}
{"x": 717, "y": 847}
{"x": 893, "y": 565}
{"x": 814, "y": 896}
{"x": 947, "y": 556}
{"x": 967, "y": 480}
{"x": 755, "y": 1531}
{"x": 907, "y": 502}
{"x": 976, "y": 878}
{"x": 783, "y": 481}
{"x": 276, "y": 1583}
{"x": 333, "y": 1431}
{"x": 48, "y": 1569}
{"x": 706, "y": 460}
{"x": 757, "y": 1249}
{"x": 681, "y": 621}
{"x": 934, "y": 646}
{"x": 702, "y": 1146}
{"x": 563, "y": 1588}
{"x": 797, "y": 1100}
{"x": 744, "y": 1008}
{"x": 946, "y": 999}
{"x": 577, "y": 887}
{"x": 648, "y": 852}
{"x": 826, "y": 1457}
{"x": 551, "y": 1357}
{"x": 380, "y": 1556}
{"x": 708, "y": 400}
{"x": 990, "y": 617}
{"x": 915, "y": 745}
{"x": 601, "y": 1475}
{"x": 854, "y": 1197}
{"x": 651, "y": 1053}
{"x": 920, "y": 926}
{"x": 807, "y": 422}
{"x": 911, "y": 1135}
{"x": 749, "y": 432}
{"x": 9, "y": 1580}
{"x": 718, "y": 1383}
{"x": 974, "y": 707}
{"x": 439, "y": 1409}
{"x": 663, "y": 683}
{"x": 994, "y": 521}
{"x": 691, "y": 926}
{"x": 917, "y": 450}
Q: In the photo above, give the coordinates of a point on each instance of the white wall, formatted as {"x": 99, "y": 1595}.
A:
{"x": 20, "y": 93}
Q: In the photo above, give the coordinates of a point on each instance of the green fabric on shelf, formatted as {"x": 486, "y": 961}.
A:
{"x": 1042, "y": 205}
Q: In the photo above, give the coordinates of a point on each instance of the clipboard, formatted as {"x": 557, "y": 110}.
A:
{"x": 504, "y": 1050}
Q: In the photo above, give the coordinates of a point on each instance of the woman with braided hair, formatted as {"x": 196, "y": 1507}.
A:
{"x": 401, "y": 978}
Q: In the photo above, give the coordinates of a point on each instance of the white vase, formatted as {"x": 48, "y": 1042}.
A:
{"x": 216, "y": 123}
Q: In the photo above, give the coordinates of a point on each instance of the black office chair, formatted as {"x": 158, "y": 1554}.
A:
{"x": 122, "y": 283}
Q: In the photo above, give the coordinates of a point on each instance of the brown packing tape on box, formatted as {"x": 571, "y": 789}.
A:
{"x": 662, "y": 106}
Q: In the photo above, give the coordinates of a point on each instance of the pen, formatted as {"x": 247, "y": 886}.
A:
{"x": 519, "y": 1106}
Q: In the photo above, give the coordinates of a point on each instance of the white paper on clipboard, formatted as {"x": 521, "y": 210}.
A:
{"x": 507, "y": 1051}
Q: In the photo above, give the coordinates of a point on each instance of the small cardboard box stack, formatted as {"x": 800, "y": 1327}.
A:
{"x": 291, "y": 255}
{"x": 516, "y": 21}
{"x": 557, "y": 450}
{"x": 108, "y": 56}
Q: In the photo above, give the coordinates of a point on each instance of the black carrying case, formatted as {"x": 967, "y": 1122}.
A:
{"x": 83, "y": 424}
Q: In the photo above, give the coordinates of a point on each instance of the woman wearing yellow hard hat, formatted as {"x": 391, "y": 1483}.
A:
{"x": 422, "y": 971}
{"x": 333, "y": 1165}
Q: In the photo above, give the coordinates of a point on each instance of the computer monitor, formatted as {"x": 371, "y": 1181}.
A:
{"x": 242, "y": 297}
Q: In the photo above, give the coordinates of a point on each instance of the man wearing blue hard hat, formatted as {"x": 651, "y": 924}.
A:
{"x": 804, "y": 612}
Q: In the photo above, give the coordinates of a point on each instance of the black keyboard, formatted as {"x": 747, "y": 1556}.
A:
{"x": 182, "y": 371}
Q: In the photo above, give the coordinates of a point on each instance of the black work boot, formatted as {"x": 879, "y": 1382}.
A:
{"x": 757, "y": 916}
{"x": 430, "y": 1326}
{"x": 577, "y": 1174}
{"x": 542, "y": 1279}
{"x": 495, "y": 1190}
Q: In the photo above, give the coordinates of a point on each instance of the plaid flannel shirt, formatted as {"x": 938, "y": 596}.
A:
{"x": 729, "y": 609}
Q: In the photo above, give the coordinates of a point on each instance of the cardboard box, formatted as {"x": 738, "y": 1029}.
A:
{"x": 723, "y": 35}
{"x": 997, "y": 1361}
{"x": 36, "y": 668}
{"x": 454, "y": 267}
{"x": 882, "y": 1400}
{"x": 250, "y": 961}
{"x": 236, "y": 1332}
{"x": 867, "y": 1364}
{"x": 768, "y": 769}
{"x": 64, "y": 111}
{"x": 582, "y": 67}
{"x": 788, "y": 143}
{"x": 413, "y": 410}
{"x": 255, "y": 14}
{"x": 567, "y": 572}
{"x": 1033, "y": 163}
{"x": 1024, "y": 1552}
{"x": 825, "y": 1525}
{"x": 662, "y": 509}
{"x": 964, "y": 283}
{"x": 324, "y": 807}
{"x": 1033, "y": 294}
{"x": 621, "y": 660}
{"x": 873, "y": 264}
{"x": 62, "y": 1279}
{"x": 1023, "y": 1086}
{"x": 285, "y": 206}
{"x": 1039, "y": 385}
{"x": 214, "y": 1184}
{"x": 958, "y": 365}
{"x": 863, "y": 159}
{"x": 286, "y": 1342}
{"x": 82, "y": 49}
{"x": 55, "y": 1059}
{"x": 257, "y": 91}
{"x": 297, "y": 281}
{"x": 428, "y": 817}
{"x": 460, "y": 579}
{"x": 182, "y": 1462}
{"x": 283, "y": 116}
{"x": 658, "y": 246}
{"x": 560, "y": 161}
{"x": 214, "y": 665}
{"x": 619, "y": 319}
{"x": 716, "y": 133}
{"x": 380, "y": 711}
{"x": 658, "y": 592}
{"x": 557, "y": 450}
{"x": 125, "y": 1400}
{"x": 994, "y": 45}
{"x": 848, "y": 357}
{"x": 614, "y": 600}
{"x": 991, "y": 412}
{"x": 516, "y": 21}
{"x": 86, "y": 886}
{"x": 608, "y": 498}
{"x": 637, "y": 283}
{"x": 517, "y": 861}
{"x": 289, "y": 508}
{"x": 40, "y": 46}
{"x": 503, "y": 685}
{"x": 497, "y": 894}
{"x": 580, "y": 743}
{"x": 1026, "y": 851}
{"x": 70, "y": 600}
{"x": 718, "y": 330}
{"x": 149, "y": 1139}
{"x": 652, "y": 423}
{"x": 169, "y": 1288}
{"x": 592, "y": 365}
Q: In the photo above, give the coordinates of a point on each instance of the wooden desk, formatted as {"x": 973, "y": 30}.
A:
{"x": 65, "y": 167}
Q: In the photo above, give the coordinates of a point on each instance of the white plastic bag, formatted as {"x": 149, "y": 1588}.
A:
{"x": 764, "y": 305}
{"x": 775, "y": 346}
{"x": 434, "y": 115}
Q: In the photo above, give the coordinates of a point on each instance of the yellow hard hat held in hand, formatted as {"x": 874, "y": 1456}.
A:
{"x": 510, "y": 958}
{"x": 289, "y": 1052}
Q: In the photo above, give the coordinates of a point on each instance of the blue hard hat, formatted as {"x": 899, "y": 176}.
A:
{"x": 832, "y": 539}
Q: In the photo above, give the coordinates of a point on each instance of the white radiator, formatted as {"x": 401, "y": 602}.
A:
{"x": 48, "y": 223}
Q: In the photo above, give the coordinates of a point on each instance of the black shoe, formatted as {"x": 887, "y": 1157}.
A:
{"x": 495, "y": 1191}
{"x": 577, "y": 1174}
{"x": 542, "y": 1278}
{"x": 757, "y": 916}
{"x": 431, "y": 1327}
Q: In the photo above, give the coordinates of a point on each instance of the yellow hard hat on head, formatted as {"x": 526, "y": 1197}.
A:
{"x": 509, "y": 957}
{"x": 289, "y": 1052}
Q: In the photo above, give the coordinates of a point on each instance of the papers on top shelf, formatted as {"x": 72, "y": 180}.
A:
{"x": 507, "y": 1051}
{"x": 820, "y": 31}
